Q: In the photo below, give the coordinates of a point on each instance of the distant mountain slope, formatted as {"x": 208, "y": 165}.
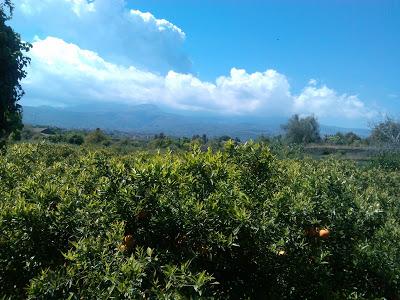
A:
{"x": 150, "y": 119}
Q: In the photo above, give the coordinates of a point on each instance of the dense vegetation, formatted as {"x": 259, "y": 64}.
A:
{"x": 236, "y": 223}
{"x": 13, "y": 60}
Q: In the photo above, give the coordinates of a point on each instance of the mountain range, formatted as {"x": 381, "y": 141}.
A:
{"x": 150, "y": 119}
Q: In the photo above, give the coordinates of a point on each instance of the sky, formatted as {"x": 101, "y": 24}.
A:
{"x": 337, "y": 59}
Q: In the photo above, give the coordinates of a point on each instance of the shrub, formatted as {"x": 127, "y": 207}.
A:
{"x": 388, "y": 160}
{"x": 76, "y": 139}
{"x": 238, "y": 223}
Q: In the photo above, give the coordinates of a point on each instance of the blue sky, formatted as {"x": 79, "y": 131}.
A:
{"x": 337, "y": 59}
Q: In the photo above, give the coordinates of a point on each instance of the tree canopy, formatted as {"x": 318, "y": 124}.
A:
{"x": 386, "y": 132}
{"x": 12, "y": 63}
{"x": 96, "y": 137}
{"x": 302, "y": 130}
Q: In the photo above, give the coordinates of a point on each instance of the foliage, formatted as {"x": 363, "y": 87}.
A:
{"x": 76, "y": 139}
{"x": 387, "y": 133}
{"x": 12, "y": 64}
{"x": 339, "y": 138}
{"x": 238, "y": 223}
{"x": 97, "y": 137}
{"x": 302, "y": 130}
{"x": 387, "y": 159}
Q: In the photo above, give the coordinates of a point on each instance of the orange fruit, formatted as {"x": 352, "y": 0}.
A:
{"x": 324, "y": 233}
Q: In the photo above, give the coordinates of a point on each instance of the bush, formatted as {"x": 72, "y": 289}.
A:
{"x": 339, "y": 138}
{"x": 76, "y": 139}
{"x": 238, "y": 223}
{"x": 388, "y": 160}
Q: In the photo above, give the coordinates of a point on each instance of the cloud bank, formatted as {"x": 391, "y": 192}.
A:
{"x": 110, "y": 28}
{"x": 88, "y": 51}
{"x": 62, "y": 73}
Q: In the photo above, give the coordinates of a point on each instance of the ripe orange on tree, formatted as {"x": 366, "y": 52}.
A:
{"x": 324, "y": 233}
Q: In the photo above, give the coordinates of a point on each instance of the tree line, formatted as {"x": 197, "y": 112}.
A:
{"x": 306, "y": 130}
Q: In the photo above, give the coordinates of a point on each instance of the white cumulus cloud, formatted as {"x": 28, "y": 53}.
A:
{"x": 110, "y": 28}
{"x": 160, "y": 24}
{"x": 62, "y": 73}
{"x": 325, "y": 102}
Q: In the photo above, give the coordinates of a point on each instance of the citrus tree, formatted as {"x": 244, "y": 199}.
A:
{"x": 233, "y": 224}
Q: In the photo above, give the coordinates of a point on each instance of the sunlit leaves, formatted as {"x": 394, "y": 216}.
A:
{"x": 240, "y": 217}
